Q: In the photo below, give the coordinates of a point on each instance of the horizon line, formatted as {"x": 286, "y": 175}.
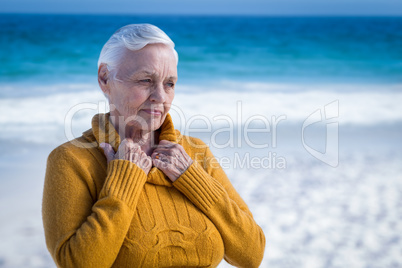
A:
{"x": 201, "y": 14}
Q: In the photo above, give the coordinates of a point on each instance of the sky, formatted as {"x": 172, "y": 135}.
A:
{"x": 246, "y": 7}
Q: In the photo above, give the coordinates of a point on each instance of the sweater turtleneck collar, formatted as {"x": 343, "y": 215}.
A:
{"x": 104, "y": 132}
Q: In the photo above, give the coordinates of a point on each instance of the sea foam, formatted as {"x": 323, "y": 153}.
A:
{"x": 49, "y": 117}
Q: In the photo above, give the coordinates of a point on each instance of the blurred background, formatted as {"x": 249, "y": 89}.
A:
{"x": 246, "y": 61}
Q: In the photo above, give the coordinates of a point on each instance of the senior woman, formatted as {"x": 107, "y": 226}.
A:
{"x": 132, "y": 191}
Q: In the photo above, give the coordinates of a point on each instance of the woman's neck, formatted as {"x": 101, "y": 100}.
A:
{"x": 148, "y": 140}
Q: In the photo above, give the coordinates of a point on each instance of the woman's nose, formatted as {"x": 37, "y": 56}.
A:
{"x": 158, "y": 94}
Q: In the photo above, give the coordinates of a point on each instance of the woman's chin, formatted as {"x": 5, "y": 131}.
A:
{"x": 147, "y": 125}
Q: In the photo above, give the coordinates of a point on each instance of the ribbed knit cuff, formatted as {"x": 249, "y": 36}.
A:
{"x": 125, "y": 181}
{"x": 202, "y": 189}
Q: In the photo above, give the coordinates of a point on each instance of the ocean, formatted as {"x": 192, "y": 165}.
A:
{"x": 304, "y": 114}
{"x": 51, "y": 48}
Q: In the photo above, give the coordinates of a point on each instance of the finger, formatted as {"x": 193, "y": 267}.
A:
{"x": 171, "y": 146}
{"x": 123, "y": 143}
{"x": 135, "y": 155}
{"x": 156, "y": 155}
{"x": 142, "y": 158}
{"x": 157, "y": 163}
{"x": 146, "y": 162}
{"x": 158, "y": 152}
{"x": 108, "y": 151}
{"x": 143, "y": 155}
{"x": 127, "y": 149}
{"x": 128, "y": 143}
{"x": 160, "y": 164}
{"x": 165, "y": 159}
{"x": 132, "y": 145}
{"x": 122, "y": 150}
{"x": 167, "y": 151}
{"x": 168, "y": 169}
{"x": 134, "y": 151}
{"x": 165, "y": 144}
{"x": 149, "y": 162}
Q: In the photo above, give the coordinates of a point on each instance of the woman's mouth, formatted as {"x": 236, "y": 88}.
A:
{"x": 153, "y": 112}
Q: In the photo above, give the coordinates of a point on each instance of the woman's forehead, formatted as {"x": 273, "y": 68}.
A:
{"x": 149, "y": 52}
{"x": 151, "y": 61}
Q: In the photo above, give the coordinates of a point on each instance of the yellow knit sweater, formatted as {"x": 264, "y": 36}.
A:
{"x": 100, "y": 215}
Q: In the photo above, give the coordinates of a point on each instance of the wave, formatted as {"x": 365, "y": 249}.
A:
{"x": 69, "y": 108}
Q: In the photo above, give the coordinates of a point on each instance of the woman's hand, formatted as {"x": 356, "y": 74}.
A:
{"x": 130, "y": 151}
{"x": 171, "y": 159}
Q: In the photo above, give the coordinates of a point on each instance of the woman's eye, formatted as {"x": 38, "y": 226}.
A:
{"x": 145, "y": 81}
{"x": 170, "y": 84}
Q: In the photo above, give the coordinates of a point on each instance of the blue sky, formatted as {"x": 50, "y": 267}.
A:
{"x": 266, "y": 7}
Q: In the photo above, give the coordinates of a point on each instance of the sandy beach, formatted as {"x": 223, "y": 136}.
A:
{"x": 313, "y": 215}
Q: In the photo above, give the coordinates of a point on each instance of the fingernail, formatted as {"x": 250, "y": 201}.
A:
{"x": 102, "y": 145}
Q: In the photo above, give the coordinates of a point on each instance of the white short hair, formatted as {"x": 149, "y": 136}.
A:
{"x": 132, "y": 37}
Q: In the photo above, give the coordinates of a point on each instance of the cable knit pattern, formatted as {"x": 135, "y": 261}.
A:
{"x": 114, "y": 215}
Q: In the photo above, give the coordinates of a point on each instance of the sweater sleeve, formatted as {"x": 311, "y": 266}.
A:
{"x": 211, "y": 191}
{"x": 81, "y": 231}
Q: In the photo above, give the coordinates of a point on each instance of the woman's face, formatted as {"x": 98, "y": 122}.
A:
{"x": 143, "y": 89}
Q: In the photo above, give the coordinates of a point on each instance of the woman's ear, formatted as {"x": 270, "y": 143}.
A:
{"x": 103, "y": 78}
